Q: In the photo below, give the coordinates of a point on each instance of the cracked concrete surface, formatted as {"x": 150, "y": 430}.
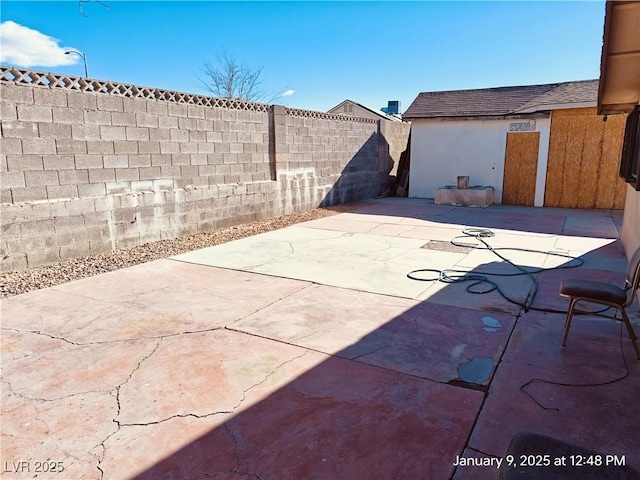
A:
{"x": 308, "y": 353}
{"x": 364, "y": 260}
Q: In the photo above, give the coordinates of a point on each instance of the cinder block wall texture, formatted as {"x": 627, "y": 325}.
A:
{"x": 90, "y": 166}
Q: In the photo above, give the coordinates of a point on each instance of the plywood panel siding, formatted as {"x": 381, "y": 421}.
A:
{"x": 590, "y": 161}
{"x": 584, "y": 154}
{"x": 558, "y": 136}
{"x": 521, "y": 163}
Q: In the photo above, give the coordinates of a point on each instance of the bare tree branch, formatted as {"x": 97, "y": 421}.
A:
{"x": 82, "y": 2}
{"x": 228, "y": 78}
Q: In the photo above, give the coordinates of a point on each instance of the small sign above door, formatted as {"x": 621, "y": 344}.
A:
{"x": 529, "y": 126}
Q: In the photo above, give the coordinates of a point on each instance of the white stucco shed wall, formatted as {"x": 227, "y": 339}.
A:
{"x": 442, "y": 150}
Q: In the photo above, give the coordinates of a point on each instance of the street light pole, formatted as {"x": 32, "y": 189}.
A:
{"x": 84, "y": 59}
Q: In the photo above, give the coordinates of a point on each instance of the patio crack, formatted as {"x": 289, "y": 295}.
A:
{"x": 194, "y": 415}
{"x": 55, "y": 399}
{"x": 269, "y": 375}
{"x": 273, "y": 260}
{"x": 40, "y": 420}
{"x": 483, "y": 453}
{"x": 234, "y": 440}
{"x": 117, "y": 397}
{"x": 119, "y": 340}
{"x": 235, "y": 452}
{"x": 229, "y": 326}
{"x": 102, "y": 446}
{"x": 117, "y": 389}
{"x": 38, "y": 332}
{"x": 370, "y": 353}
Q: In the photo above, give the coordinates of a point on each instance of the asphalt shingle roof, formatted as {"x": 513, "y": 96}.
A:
{"x": 500, "y": 101}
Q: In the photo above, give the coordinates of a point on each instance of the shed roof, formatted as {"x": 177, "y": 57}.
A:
{"x": 503, "y": 101}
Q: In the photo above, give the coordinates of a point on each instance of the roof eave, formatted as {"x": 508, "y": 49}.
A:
{"x": 558, "y": 106}
{"x": 510, "y": 116}
{"x": 339, "y": 105}
{"x": 381, "y": 114}
{"x": 619, "y": 86}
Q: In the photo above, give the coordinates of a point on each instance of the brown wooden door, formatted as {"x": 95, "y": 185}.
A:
{"x": 520, "y": 168}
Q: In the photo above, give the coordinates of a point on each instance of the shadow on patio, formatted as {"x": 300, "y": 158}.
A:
{"x": 307, "y": 353}
{"x": 452, "y": 374}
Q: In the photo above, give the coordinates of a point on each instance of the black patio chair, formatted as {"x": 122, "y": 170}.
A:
{"x": 604, "y": 294}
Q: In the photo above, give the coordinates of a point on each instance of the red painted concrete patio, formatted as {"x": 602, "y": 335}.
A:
{"x": 308, "y": 353}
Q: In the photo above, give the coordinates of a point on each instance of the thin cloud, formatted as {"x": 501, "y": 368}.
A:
{"x": 26, "y": 47}
{"x": 288, "y": 93}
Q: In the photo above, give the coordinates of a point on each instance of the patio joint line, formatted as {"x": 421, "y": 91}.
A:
{"x": 618, "y": 227}
{"x": 227, "y": 327}
{"x": 386, "y": 369}
{"x": 483, "y": 452}
{"x": 485, "y": 394}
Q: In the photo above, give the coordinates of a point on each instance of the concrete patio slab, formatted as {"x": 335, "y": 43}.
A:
{"x": 260, "y": 403}
{"x": 152, "y": 300}
{"x": 596, "y": 226}
{"x": 550, "y": 224}
{"x": 421, "y": 339}
{"x": 528, "y": 260}
{"x": 308, "y": 353}
{"x": 53, "y": 411}
{"x": 343, "y": 225}
{"x": 524, "y": 240}
{"x": 372, "y": 263}
{"x": 579, "y": 394}
{"x": 434, "y": 232}
{"x": 60, "y": 434}
{"x": 450, "y": 294}
{"x": 582, "y": 244}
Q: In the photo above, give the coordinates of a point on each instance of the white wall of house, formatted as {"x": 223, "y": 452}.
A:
{"x": 543, "y": 125}
{"x": 442, "y": 150}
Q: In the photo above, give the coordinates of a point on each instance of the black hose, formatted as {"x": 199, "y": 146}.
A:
{"x": 482, "y": 278}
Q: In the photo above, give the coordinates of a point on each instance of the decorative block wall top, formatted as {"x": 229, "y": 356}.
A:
{"x": 55, "y": 80}
{"x": 295, "y": 112}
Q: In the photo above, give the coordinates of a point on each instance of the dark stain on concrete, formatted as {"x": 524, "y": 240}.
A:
{"x": 476, "y": 371}
{"x": 491, "y": 324}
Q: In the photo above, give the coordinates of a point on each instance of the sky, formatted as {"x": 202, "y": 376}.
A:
{"x": 315, "y": 53}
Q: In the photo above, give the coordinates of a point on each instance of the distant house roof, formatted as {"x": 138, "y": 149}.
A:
{"x": 378, "y": 113}
{"x": 503, "y": 101}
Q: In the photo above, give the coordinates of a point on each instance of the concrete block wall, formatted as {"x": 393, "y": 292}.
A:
{"x": 86, "y": 172}
{"x": 65, "y": 144}
{"x": 325, "y": 160}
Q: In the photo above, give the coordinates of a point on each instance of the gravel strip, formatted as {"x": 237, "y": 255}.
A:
{"x": 35, "y": 278}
